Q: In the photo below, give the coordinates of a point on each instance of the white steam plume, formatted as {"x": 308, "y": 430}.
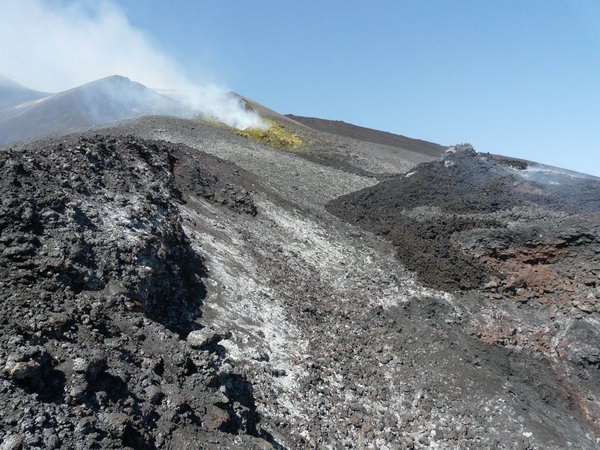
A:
{"x": 53, "y": 45}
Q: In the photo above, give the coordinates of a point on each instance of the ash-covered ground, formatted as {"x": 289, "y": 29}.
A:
{"x": 519, "y": 245}
{"x": 100, "y": 289}
{"x": 470, "y": 220}
{"x": 167, "y": 284}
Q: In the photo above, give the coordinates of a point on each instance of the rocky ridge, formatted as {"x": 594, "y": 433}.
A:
{"x": 101, "y": 288}
{"x": 242, "y": 313}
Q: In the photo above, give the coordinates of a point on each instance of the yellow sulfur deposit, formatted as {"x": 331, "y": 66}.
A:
{"x": 273, "y": 136}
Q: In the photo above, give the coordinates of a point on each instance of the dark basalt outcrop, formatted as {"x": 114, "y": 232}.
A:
{"x": 471, "y": 220}
{"x": 100, "y": 287}
{"x": 156, "y": 296}
{"x": 518, "y": 245}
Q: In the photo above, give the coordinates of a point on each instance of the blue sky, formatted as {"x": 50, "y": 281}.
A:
{"x": 520, "y": 78}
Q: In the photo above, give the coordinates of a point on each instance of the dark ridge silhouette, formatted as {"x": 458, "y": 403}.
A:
{"x": 342, "y": 128}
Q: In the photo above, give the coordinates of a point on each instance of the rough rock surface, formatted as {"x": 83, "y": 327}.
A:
{"x": 468, "y": 217}
{"x": 281, "y": 324}
{"x": 519, "y": 242}
{"x": 100, "y": 286}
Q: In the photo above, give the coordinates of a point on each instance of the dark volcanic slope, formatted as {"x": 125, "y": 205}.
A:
{"x": 104, "y": 101}
{"x": 12, "y": 94}
{"x": 341, "y": 128}
{"x": 432, "y": 214}
{"x": 519, "y": 242}
{"x": 99, "y": 285}
{"x": 154, "y": 296}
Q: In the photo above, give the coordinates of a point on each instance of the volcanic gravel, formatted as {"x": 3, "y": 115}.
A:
{"x": 100, "y": 286}
{"x": 161, "y": 295}
{"x": 425, "y": 213}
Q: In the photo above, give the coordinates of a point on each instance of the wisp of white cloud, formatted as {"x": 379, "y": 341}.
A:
{"x": 53, "y": 45}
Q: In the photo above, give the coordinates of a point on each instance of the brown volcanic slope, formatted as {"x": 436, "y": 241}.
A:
{"x": 341, "y": 128}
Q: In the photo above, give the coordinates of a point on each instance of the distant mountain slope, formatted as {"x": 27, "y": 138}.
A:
{"x": 341, "y": 128}
{"x": 103, "y": 101}
{"x": 12, "y": 94}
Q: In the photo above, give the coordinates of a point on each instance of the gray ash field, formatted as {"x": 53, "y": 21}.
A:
{"x": 170, "y": 284}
